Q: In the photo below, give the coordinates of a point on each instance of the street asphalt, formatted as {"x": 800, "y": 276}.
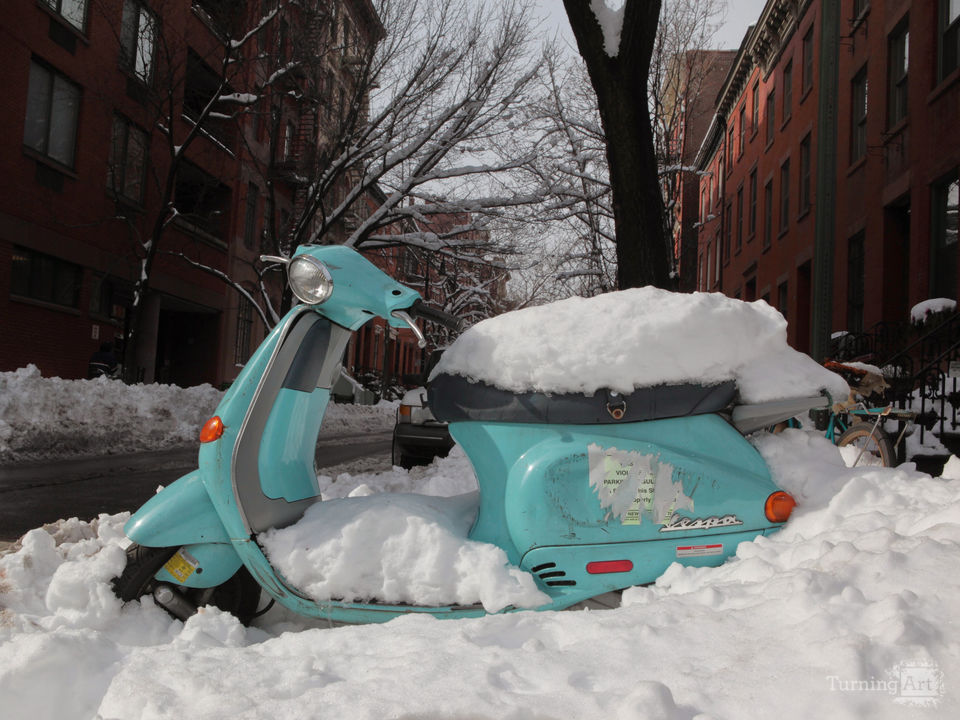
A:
{"x": 35, "y": 493}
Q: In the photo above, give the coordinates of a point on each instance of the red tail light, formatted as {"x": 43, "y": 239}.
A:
{"x": 609, "y": 566}
{"x": 779, "y": 506}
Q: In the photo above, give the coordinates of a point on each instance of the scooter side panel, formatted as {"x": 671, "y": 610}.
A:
{"x": 648, "y": 484}
{"x": 180, "y": 514}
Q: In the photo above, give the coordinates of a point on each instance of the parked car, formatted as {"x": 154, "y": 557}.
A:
{"x": 418, "y": 437}
{"x": 348, "y": 390}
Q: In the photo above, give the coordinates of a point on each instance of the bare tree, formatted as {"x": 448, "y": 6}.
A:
{"x": 569, "y": 168}
{"x": 616, "y": 46}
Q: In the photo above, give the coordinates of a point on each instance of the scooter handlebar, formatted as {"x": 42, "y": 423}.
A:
{"x": 421, "y": 310}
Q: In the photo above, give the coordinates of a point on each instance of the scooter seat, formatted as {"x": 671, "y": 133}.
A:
{"x": 453, "y": 398}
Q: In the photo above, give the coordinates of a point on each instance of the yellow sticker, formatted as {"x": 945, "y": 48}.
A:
{"x": 181, "y": 565}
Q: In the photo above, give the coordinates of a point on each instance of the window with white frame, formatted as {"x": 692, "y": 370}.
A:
{"x": 53, "y": 108}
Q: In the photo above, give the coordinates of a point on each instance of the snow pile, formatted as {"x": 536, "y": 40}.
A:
{"x": 849, "y": 611}
{"x": 398, "y": 549}
{"x": 638, "y": 338}
{"x": 50, "y": 417}
{"x": 921, "y": 312}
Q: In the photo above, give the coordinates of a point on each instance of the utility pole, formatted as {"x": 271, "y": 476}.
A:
{"x": 825, "y": 207}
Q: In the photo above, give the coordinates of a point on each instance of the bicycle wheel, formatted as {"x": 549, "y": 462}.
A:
{"x": 867, "y": 446}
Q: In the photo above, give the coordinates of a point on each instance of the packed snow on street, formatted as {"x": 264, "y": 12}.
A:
{"x": 850, "y": 611}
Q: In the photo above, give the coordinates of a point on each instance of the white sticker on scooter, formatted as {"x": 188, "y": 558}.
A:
{"x": 630, "y": 483}
{"x": 699, "y": 550}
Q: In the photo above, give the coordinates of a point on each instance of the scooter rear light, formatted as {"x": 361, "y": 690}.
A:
{"x": 779, "y": 506}
{"x": 212, "y": 430}
{"x": 609, "y": 566}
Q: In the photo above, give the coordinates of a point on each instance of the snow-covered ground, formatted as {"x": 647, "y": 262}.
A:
{"x": 849, "y": 612}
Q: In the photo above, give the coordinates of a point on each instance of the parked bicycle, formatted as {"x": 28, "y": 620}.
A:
{"x": 855, "y": 423}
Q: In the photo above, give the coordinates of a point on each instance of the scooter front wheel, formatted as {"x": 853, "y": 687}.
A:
{"x": 239, "y": 595}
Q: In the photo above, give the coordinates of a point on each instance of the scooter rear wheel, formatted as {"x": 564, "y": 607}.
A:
{"x": 239, "y": 595}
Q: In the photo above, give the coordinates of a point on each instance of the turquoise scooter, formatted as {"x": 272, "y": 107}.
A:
{"x": 588, "y": 494}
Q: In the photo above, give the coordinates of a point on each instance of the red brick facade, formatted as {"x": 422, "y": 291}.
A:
{"x": 897, "y": 152}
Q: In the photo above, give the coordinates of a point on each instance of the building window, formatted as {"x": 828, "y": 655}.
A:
{"x": 244, "y": 330}
{"x": 805, "y": 174}
{"x": 946, "y": 199}
{"x": 787, "y": 91}
{"x": 703, "y": 205}
{"x": 949, "y": 36}
{"x": 785, "y": 196}
{"x": 855, "y": 283}
{"x": 739, "y": 218}
{"x": 202, "y": 201}
{"x": 53, "y": 106}
{"x": 755, "y": 119}
{"x": 752, "y": 226}
{"x": 808, "y": 60}
{"x": 138, "y": 29}
{"x": 202, "y": 85}
{"x": 858, "y": 116}
{"x": 73, "y": 11}
{"x": 716, "y": 276}
{"x": 250, "y": 222}
{"x": 288, "y": 135}
{"x": 771, "y": 107}
{"x": 898, "y": 47}
{"x": 783, "y": 298}
{"x": 730, "y": 148}
{"x": 743, "y": 128}
{"x": 128, "y": 160}
{"x": 727, "y": 231}
{"x": 767, "y": 214}
{"x": 45, "y": 278}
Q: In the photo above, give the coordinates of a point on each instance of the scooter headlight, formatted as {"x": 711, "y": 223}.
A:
{"x": 309, "y": 280}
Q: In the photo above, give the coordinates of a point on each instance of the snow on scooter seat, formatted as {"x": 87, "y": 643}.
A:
{"x": 398, "y": 548}
{"x": 639, "y": 338}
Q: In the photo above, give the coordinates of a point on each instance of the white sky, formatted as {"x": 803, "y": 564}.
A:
{"x": 740, "y": 15}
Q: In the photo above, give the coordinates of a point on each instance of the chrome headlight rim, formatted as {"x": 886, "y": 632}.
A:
{"x": 317, "y": 294}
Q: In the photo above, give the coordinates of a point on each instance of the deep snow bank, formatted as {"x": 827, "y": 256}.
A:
{"x": 51, "y": 417}
{"x": 848, "y": 612}
{"x": 638, "y": 338}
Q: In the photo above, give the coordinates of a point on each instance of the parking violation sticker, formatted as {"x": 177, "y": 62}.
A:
{"x": 630, "y": 484}
{"x": 699, "y": 550}
{"x": 181, "y": 565}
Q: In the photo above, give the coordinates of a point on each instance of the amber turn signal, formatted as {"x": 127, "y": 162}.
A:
{"x": 779, "y": 506}
{"x": 212, "y": 430}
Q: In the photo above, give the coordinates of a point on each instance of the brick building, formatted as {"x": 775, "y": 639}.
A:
{"x": 692, "y": 82}
{"x": 86, "y": 155}
{"x": 897, "y": 153}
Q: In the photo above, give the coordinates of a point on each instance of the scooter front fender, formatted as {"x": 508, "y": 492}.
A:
{"x": 180, "y": 514}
